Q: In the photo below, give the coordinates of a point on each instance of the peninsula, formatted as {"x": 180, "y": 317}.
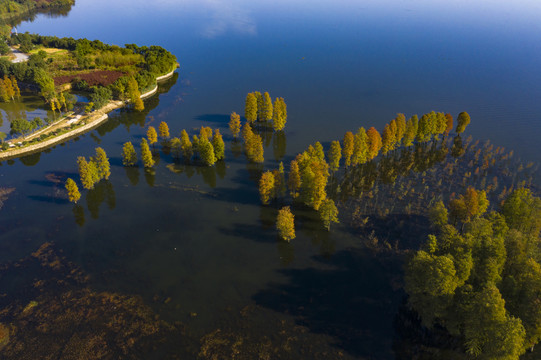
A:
{"x": 109, "y": 76}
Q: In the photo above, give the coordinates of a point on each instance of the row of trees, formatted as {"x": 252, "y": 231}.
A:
{"x": 365, "y": 145}
{"x": 208, "y": 147}
{"x": 482, "y": 281}
{"x": 309, "y": 171}
{"x": 259, "y": 107}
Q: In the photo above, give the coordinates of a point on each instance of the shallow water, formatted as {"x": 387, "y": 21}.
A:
{"x": 200, "y": 238}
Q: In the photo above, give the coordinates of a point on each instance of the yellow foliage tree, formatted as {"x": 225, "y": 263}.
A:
{"x": 152, "y": 135}
{"x": 163, "y": 130}
{"x": 266, "y": 187}
{"x": 234, "y": 124}
{"x": 73, "y": 191}
{"x": 285, "y": 224}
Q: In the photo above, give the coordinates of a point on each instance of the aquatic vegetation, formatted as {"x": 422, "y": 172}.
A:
{"x": 4, "y": 194}
{"x": 84, "y": 323}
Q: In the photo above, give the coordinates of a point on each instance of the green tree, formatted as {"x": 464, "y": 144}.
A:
{"x": 278, "y": 117}
{"x": 267, "y": 109}
{"x": 328, "y": 213}
{"x": 186, "y": 145}
{"x": 138, "y": 104}
{"x": 19, "y": 126}
{"x": 440, "y": 123}
{"x": 146, "y": 155}
{"x": 152, "y": 135}
{"x": 259, "y": 98}
{"x": 129, "y": 156}
{"x": 431, "y": 281}
{"x": 102, "y": 163}
{"x": 218, "y": 145}
{"x": 254, "y": 149}
{"x": 86, "y": 173}
{"x": 411, "y": 130}
{"x": 134, "y": 94}
{"x": 73, "y": 191}
{"x": 285, "y": 224}
{"x": 247, "y": 132}
{"x": 522, "y": 211}
{"x": 424, "y": 129}
{"x": 266, "y": 187}
{"x": 89, "y": 106}
{"x": 360, "y": 147}
{"x": 314, "y": 177}
{"x": 463, "y": 120}
{"x": 234, "y": 124}
{"x": 206, "y": 151}
{"x": 251, "y": 110}
{"x": 438, "y": 214}
{"x": 400, "y": 128}
{"x": 176, "y": 147}
{"x": 348, "y": 146}
{"x": 334, "y": 155}
{"x": 388, "y": 138}
{"x": 163, "y": 130}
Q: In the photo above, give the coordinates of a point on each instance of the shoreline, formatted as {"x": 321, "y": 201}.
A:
{"x": 93, "y": 120}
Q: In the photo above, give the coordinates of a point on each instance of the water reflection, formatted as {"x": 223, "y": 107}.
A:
{"x": 150, "y": 176}
{"x": 279, "y": 144}
{"x": 30, "y": 160}
{"x": 79, "y": 215}
{"x": 102, "y": 192}
{"x": 236, "y": 148}
{"x": 209, "y": 175}
{"x": 227, "y": 16}
{"x": 132, "y": 173}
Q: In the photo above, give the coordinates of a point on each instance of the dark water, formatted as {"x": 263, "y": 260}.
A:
{"x": 200, "y": 237}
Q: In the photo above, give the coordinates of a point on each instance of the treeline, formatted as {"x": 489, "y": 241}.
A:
{"x": 142, "y": 64}
{"x": 15, "y": 8}
{"x": 145, "y": 63}
{"x": 479, "y": 275}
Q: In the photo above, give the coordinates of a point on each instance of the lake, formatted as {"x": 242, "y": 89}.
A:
{"x": 194, "y": 243}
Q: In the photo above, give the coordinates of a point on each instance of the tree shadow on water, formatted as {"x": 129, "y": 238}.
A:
{"x": 353, "y": 302}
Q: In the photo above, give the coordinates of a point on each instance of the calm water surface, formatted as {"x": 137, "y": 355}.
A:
{"x": 200, "y": 237}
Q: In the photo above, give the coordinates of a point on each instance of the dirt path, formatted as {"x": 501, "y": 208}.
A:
{"x": 19, "y": 56}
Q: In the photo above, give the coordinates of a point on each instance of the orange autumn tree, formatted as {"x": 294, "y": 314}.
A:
{"x": 374, "y": 142}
